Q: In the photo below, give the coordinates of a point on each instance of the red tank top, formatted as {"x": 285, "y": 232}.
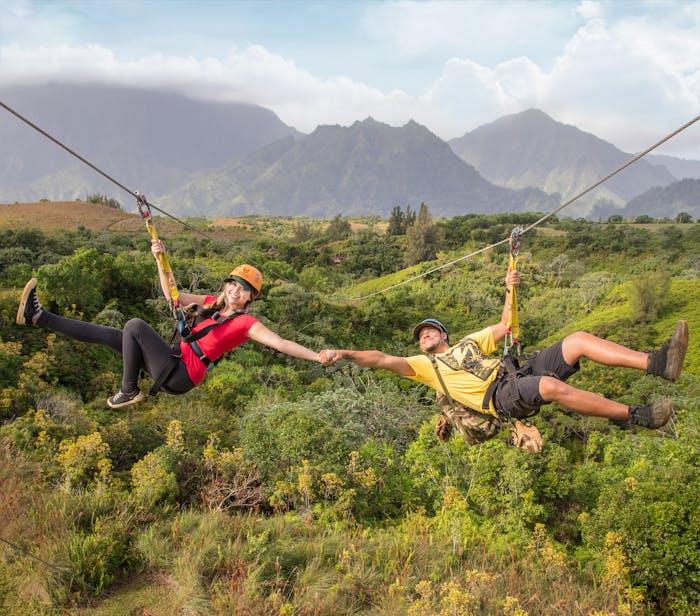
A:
{"x": 216, "y": 343}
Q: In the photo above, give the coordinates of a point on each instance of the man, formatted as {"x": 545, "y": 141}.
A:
{"x": 466, "y": 375}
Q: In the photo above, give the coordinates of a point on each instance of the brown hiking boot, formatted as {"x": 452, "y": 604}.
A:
{"x": 653, "y": 415}
{"x": 667, "y": 362}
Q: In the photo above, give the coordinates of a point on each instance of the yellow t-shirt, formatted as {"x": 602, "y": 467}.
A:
{"x": 465, "y": 367}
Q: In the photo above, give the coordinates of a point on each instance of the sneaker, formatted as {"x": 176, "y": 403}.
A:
{"x": 667, "y": 362}
{"x": 121, "y": 399}
{"x": 653, "y": 415}
{"x": 29, "y": 306}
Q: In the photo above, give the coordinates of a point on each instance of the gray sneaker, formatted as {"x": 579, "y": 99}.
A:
{"x": 29, "y": 307}
{"x": 121, "y": 399}
{"x": 653, "y": 415}
{"x": 667, "y": 362}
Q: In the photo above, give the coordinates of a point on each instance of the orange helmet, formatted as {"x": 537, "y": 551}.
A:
{"x": 248, "y": 276}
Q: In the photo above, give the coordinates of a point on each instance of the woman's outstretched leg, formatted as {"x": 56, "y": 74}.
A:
{"x": 143, "y": 349}
{"x": 139, "y": 344}
{"x": 31, "y": 311}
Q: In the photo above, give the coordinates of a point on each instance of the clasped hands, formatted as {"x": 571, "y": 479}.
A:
{"x": 328, "y": 356}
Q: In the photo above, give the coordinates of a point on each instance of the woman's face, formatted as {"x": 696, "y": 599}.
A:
{"x": 235, "y": 295}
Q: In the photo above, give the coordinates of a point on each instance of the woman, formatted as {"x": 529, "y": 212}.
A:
{"x": 177, "y": 369}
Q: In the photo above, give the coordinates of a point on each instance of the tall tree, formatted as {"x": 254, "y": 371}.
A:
{"x": 338, "y": 228}
{"x": 422, "y": 238}
{"x": 399, "y": 221}
{"x": 396, "y": 222}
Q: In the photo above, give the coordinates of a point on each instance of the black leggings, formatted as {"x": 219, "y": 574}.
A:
{"x": 138, "y": 343}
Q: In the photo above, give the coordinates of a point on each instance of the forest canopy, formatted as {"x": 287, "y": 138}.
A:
{"x": 284, "y": 487}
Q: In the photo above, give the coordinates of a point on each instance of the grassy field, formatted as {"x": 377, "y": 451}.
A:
{"x": 50, "y": 216}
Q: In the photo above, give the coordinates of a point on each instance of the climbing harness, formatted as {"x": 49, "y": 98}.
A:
{"x": 192, "y": 318}
{"x": 513, "y": 326}
{"x": 198, "y": 315}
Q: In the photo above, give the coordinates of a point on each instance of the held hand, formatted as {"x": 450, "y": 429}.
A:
{"x": 512, "y": 278}
{"x": 157, "y": 247}
{"x": 327, "y": 356}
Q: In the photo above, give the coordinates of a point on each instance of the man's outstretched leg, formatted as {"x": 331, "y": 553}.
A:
{"x": 654, "y": 415}
{"x": 666, "y": 362}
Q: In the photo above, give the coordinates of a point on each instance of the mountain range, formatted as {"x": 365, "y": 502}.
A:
{"x": 366, "y": 168}
{"x": 150, "y": 141}
{"x": 214, "y": 159}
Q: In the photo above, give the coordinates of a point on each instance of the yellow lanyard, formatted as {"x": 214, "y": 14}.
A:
{"x": 513, "y": 326}
{"x": 145, "y": 211}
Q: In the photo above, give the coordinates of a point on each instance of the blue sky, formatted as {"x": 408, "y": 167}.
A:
{"x": 628, "y": 72}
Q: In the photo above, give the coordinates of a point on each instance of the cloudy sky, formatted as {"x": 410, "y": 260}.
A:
{"x": 627, "y": 71}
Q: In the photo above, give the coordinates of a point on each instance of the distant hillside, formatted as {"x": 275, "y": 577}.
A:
{"x": 667, "y": 201}
{"x": 149, "y": 141}
{"x": 680, "y": 168}
{"x": 532, "y": 149}
{"x": 49, "y": 216}
{"x": 366, "y": 168}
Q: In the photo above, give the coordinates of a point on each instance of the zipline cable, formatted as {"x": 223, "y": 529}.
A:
{"x": 139, "y": 197}
{"x": 631, "y": 161}
{"x": 398, "y": 284}
{"x": 62, "y": 570}
{"x": 133, "y": 193}
{"x": 34, "y": 556}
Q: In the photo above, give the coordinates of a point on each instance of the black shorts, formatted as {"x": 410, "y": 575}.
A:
{"x": 521, "y": 397}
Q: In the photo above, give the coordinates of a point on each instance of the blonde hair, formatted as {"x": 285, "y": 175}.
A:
{"x": 220, "y": 302}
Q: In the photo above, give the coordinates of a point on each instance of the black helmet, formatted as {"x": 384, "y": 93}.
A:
{"x": 430, "y": 323}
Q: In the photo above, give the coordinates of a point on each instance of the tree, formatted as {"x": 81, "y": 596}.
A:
{"x": 338, "y": 228}
{"x": 303, "y": 231}
{"x": 683, "y": 217}
{"x": 422, "y": 238}
{"x": 649, "y": 295}
{"x": 396, "y": 222}
{"x": 399, "y": 221}
{"x": 78, "y": 280}
{"x": 104, "y": 200}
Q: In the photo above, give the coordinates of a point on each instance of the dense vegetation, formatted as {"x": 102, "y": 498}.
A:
{"x": 282, "y": 487}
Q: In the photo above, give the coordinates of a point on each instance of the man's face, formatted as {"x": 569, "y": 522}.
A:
{"x": 430, "y": 339}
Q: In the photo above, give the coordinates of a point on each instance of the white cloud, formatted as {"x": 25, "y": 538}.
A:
{"x": 485, "y": 31}
{"x": 589, "y": 9}
{"x": 629, "y": 79}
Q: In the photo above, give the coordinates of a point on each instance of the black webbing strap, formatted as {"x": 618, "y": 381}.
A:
{"x": 163, "y": 376}
{"x": 192, "y": 338}
{"x": 442, "y": 382}
{"x": 508, "y": 366}
{"x": 491, "y": 391}
{"x": 205, "y": 330}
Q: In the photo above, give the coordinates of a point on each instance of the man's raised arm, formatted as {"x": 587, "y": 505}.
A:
{"x": 499, "y": 329}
